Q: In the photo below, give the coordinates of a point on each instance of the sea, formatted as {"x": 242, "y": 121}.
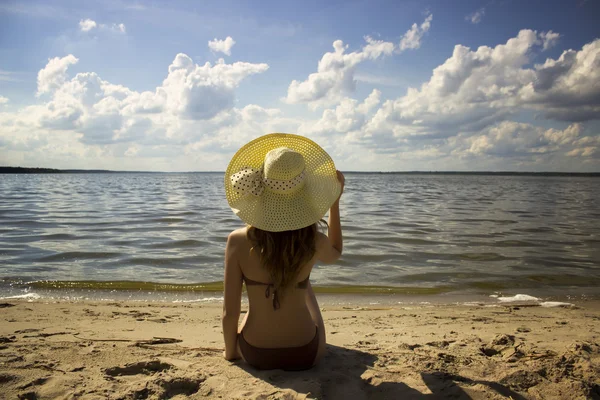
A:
{"x": 422, "y": 238}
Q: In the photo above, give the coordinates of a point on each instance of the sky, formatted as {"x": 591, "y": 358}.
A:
{"x": 495, "y": 85}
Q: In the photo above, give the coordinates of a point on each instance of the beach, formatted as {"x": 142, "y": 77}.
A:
{"x": 143, "y": 350}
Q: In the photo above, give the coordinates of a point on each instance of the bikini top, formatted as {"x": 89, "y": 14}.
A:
{"x": 271, "y": 288}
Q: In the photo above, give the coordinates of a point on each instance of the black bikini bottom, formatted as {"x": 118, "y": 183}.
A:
{"x": 286, "y": 358}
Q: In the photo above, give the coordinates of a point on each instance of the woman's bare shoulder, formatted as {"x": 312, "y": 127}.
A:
{"x": 237, "y": 238}
{"x": 322, "y": 239}
{"x": 325, "y": 251}
{"x": 238, "y": 234}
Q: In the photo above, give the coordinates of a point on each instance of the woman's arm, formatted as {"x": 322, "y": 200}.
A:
{"x": 334, "y": 232}
{"x": 232, "y": 297}
{"x": 331, "y": 248}
{"x": 315, "y": 313}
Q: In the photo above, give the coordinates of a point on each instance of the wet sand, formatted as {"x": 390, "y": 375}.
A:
{"x": 134, "y": 350}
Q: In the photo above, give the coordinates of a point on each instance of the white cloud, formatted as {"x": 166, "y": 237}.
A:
{"x": 378, "y": 79}
{"x": 476, "y": 16}
{"x": 464, "y": 109}
{"x": 348, "y": 116}
{"x": 412, "y": 37}
{"x": 510, "y": 139}
{"x": 114, "y": 28}
{"x": 222, "y": 46}
{"x": 87, "y": 25}
{"x": 101, "y": 113}
{"x": 474, "y": 89}
{"x": 583, "y": 152}
{"x": 53, "y": 75}
{"x": 549, "y": 39}
{"x": 460, "y": 118}
{"x": 468, "y": 91}
{"x": 118, "y": 28}
{"x": 200, "y": 92}
{"x": 334, "y": 78}
{"x": 567, "y": 88}
{"x": 3, "y": 100}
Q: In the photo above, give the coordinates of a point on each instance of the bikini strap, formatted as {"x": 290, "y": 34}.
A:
{"x": 271, "y": 288}
{"x": 251, "y": 282}
{"x": 300, "y": 285}
{"x": 276, "y": 304}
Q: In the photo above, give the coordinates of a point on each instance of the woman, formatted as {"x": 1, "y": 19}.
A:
{"x": 280, "y": 185}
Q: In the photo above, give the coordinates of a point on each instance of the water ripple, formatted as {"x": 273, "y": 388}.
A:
{"x": 400, "y": 230}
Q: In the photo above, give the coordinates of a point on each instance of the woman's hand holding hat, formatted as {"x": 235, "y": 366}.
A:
{"x": 342, "y": 181}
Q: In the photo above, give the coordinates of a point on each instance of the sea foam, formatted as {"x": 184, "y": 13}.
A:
{"x": 517, "y": 297}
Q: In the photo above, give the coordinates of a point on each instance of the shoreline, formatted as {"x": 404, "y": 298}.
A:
{"x": 340, "y": 296}
{"x": 109, "y": 350}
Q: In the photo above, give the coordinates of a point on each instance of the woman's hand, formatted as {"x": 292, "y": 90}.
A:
{"x": 342, "y": 181}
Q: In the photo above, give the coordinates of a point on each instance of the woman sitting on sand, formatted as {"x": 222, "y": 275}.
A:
{"x": 280, "y": 185}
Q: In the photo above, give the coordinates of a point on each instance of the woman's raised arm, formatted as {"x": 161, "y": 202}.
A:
{"x": 331, "y": 248}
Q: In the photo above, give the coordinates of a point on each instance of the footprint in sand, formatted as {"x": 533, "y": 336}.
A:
{"x": 143, "y": 367}
{"x": 162, "y": 387}
{"x": 5, "y": 378}
{"x": 166, "y": 388}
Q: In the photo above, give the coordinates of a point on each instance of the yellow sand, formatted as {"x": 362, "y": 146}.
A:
{"x": 95, "y": 350}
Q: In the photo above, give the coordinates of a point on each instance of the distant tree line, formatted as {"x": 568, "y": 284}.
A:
{"x": 22, "y": 170}
{"x": 27, "y": 170}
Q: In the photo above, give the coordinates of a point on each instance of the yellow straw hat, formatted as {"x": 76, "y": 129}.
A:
{"x": 281, "y": 182}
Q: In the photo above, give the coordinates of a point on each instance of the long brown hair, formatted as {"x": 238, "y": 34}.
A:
{"x": 283, "y": 254}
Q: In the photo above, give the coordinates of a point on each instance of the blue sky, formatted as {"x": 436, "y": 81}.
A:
{"x": 411, "y": 85}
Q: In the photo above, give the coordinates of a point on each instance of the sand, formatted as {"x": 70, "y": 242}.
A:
{"x": 101, "y": 350}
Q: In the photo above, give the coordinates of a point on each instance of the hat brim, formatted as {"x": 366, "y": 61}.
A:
{"x": 276, "y": 212}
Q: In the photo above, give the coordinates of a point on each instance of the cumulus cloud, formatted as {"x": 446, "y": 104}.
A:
{"x": 412, "y": 37}
{"x": 348, "y": 116}
{"x": 200, "y": 92}
{"x": 459, "y": 118}
{"x": 549, "y": 39}
{"x": 222, "y": 46}
{"x": 474, "y": 89}
{"x": 468, "y": 91}
{"x": 465, "y": 108}
{"x": 476, "y": 16}
{"x": 334, "y": 78}
{"x": 583, "y": 152}
{"x": 53, "y": 75}
{"x": 509, "y": 139}
{"x": 87, "y": 25}
{"x": 3, "y": 100}
{"x": 568, "y": 88}
{"x": 104, "y": 113}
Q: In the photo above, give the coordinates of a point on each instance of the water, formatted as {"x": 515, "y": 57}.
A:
{"x": 419, "y": 234}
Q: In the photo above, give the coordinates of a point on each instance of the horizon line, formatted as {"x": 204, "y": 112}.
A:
{"x": 9, "y": 169}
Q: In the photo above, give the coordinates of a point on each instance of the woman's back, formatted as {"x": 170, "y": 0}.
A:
{"x": 288, "y": 325}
